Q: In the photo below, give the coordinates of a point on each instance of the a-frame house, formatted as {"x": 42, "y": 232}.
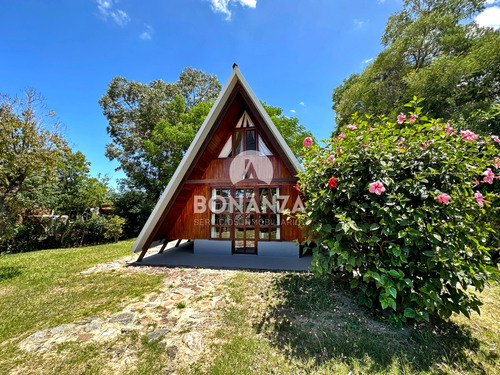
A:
{"x": 232, "y": 185}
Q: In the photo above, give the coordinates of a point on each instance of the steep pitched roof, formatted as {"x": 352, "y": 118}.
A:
{"x": 168, "y": 194}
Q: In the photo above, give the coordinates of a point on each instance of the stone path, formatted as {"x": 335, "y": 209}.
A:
{"x": 178, "y": 317}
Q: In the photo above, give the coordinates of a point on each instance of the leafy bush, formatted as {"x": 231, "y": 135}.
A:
{"x": 400, "y": 206}
{"x": 26, "y": 237}
{"x": 114, "y": 228}
{"x": 96, "y": 229}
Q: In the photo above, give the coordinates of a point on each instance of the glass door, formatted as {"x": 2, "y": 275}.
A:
{"x": 244, "y": 220}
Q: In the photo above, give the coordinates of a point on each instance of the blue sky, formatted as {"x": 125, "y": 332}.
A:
{"x": 292, "y": 53}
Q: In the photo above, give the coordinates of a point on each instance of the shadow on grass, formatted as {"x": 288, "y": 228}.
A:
{"x": 9, "y": 272}
{"x": 319, "y": 318}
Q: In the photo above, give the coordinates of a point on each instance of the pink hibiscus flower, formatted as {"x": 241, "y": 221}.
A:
{"x": 496, "y": 162}
{"x": 412, "y": 119}
{"x": 340, "y": 136}
{"x": 448, "y": 128}
{"x": 425, "y": 145}
{"x": 479, "y": 198}
{"x": 376, "y": 187}
{"x": 489, "y": 176}
{"x": 496, "y": 138}
{"x": 401, "y": 118}
{"x": 468, "y": 136}
{"x": 307, "y": 142}
{"x": 444, "y": 198}
{"x": 330, "y": 159}
{"x": 352, "y": 126}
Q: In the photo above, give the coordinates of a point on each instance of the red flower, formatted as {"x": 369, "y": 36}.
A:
{"x": 332, "y": 182}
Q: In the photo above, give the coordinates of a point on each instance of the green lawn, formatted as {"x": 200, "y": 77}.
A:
{"x": 298, "y": 324}
{"x": 273, "y": 323}
{"x": 43, "y": 289}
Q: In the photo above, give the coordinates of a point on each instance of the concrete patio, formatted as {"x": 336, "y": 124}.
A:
{"x": 183, "y": 256}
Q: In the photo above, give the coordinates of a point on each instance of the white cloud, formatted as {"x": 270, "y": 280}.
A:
{"x": 147, "y": 34}
{"x": 293, "y": 111}
{"x": 248, "y": 3}
{"x": 381, "y": 1}
{"x": 490, "y": 17}
{"x": 302, "y": 104}
{"x": 222, "y": 6}
{"x": 367, "y": 61}
{"x": 491, "y": 2}
{"x": 108, "y": 10}
{"x": 358, "y": 23}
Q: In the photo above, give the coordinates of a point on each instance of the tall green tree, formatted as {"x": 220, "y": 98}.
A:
{"x": 432, "y": 50}
{"x": 290, "y": 128}
{"x": 141, "y": 115}
{"x": 72, "y": 192}
{"x": 30, "y": 145}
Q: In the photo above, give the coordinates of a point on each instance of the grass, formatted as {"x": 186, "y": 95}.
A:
{"x": 43, "y": 289}
{"x": 284, "y": 323}
{"x": 298, "y": 324}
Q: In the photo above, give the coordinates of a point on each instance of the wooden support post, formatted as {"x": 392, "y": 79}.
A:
{"x": 163, "y": 246}
{"x": 141, "y": 255}
{"x": 178, "y": 243}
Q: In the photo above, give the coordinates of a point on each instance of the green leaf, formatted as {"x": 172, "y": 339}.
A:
{"x": 425, "y": 315}
{"x": 437, "y": 237}
{"x": 354, "y": 283}
{"x": 429, "y": 253}
{"x": 384, "y": 303}
{"x": 392, "y": 291}
{"x": 394, "y": 273}
{"x": 413, "y": 232}
{"x": 392, "y": 303}
{"x": 409, "y": 313}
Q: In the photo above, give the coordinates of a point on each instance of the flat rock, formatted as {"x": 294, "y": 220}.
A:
{"x": 123, "y": 318}
{"x": 158, "y": 334}
{"x": 93, "y": 326}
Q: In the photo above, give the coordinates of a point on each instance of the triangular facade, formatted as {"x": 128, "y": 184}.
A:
{"x": 229, "y": 189}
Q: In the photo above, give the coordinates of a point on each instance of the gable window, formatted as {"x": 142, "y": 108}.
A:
{"x": 245, "y": 137}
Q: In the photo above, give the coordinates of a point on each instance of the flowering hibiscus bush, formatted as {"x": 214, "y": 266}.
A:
{"x": 399, "y": 205}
